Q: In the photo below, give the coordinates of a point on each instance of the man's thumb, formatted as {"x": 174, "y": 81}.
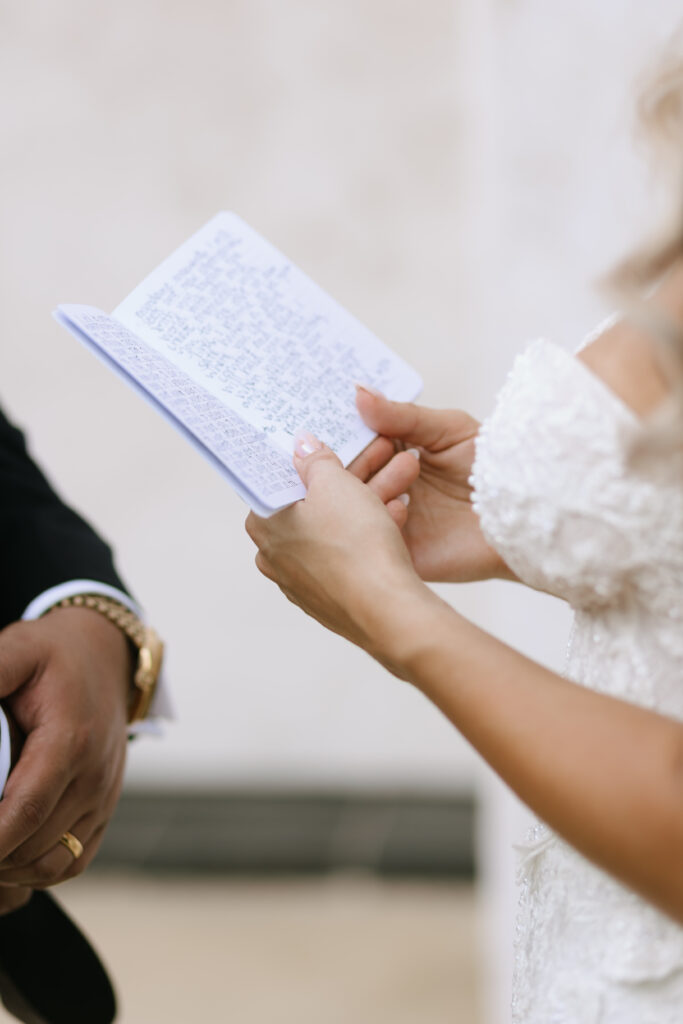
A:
{"x": 18, "y": 657}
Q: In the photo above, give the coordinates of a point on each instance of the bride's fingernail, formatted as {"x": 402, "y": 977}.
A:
{"x": 415, "y": 452}
{"x": 404, "y": 498}
{"x": 370, "y": 390}
{"x": 306, "y": 443}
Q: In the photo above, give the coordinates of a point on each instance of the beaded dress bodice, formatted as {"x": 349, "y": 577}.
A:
{"x": 572, "y": 513}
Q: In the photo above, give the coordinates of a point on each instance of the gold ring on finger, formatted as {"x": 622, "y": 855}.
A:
{"x": 73, "y": 845}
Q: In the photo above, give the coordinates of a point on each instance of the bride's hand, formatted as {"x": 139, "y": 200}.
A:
{"x": 441, "y": 530}
{"x": 339, "y": 553}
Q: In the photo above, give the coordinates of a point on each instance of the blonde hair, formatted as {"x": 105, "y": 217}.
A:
{"x": 660, "y": 118}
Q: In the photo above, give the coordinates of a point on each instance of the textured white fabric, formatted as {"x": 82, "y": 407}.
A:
{"x": 559, "y": 498}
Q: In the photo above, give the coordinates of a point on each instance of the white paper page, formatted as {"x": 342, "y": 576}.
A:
{"x": 256, "y": 332}
{"x": 261, "y": 475}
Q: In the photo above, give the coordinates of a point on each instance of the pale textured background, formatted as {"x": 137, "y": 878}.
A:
{"x": 335, "y": 130}
{"x": 453, "y": 172}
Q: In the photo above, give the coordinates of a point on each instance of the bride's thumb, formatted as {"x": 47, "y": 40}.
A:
{"x": 311, "y": 456}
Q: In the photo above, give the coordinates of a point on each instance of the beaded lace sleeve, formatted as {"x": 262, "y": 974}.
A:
{"x": 555, "y": 490}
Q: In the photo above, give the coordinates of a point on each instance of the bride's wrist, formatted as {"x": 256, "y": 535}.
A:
{"x": 402, "y": 628}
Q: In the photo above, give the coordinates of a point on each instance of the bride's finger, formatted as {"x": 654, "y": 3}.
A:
{"x": 397, "y": 476}
{"x": 372, "y": 458}
{"x": 398, "y": 510}
{"x": 433, "y": 429}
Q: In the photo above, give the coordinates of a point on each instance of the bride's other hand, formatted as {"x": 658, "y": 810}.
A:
{"x": 389, "y": 474}
{"x": 442, "y": 530}
{"x": 339, "y": 553}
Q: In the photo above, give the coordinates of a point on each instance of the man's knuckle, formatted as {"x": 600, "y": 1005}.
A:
{"x": 31, "y": 813}
{"x": 81, "y": 743}
{"x": 75, "y": 869}
{"x": 98, "y": 780}
{"x": 8, "y": 639}
{"x": 45, "y": 872}
{"x": 18, "y": 858}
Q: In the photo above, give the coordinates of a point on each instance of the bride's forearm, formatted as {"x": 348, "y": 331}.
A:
{"x": 605, "y": 774}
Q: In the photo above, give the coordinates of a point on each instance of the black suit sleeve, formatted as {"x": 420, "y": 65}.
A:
{"x": 43, "y": 542}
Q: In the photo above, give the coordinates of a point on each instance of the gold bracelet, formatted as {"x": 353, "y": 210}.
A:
{"x": 145, "y": 639}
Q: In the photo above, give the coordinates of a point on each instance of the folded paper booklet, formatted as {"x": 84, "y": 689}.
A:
{"x": 239, "y": 349}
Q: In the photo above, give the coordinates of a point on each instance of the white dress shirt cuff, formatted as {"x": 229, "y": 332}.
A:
{"x": 4, "y": 751}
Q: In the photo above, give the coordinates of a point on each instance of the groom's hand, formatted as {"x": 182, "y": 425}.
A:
{"x": 12, "y": 897}
{"x": 65, "y": 679}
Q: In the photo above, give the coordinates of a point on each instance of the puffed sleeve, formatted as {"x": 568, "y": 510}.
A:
{"x": 557, "y": 490}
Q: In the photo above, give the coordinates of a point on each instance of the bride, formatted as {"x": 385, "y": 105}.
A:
{"x": 574, "y": 485}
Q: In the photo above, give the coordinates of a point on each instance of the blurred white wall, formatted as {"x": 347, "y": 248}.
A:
{"x": 454, "y": 172}
{"x": 333, "y": 129}
{"x": 340, "y": 132}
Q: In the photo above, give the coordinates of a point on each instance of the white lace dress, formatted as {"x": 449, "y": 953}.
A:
{"x": 558, "y": 498}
